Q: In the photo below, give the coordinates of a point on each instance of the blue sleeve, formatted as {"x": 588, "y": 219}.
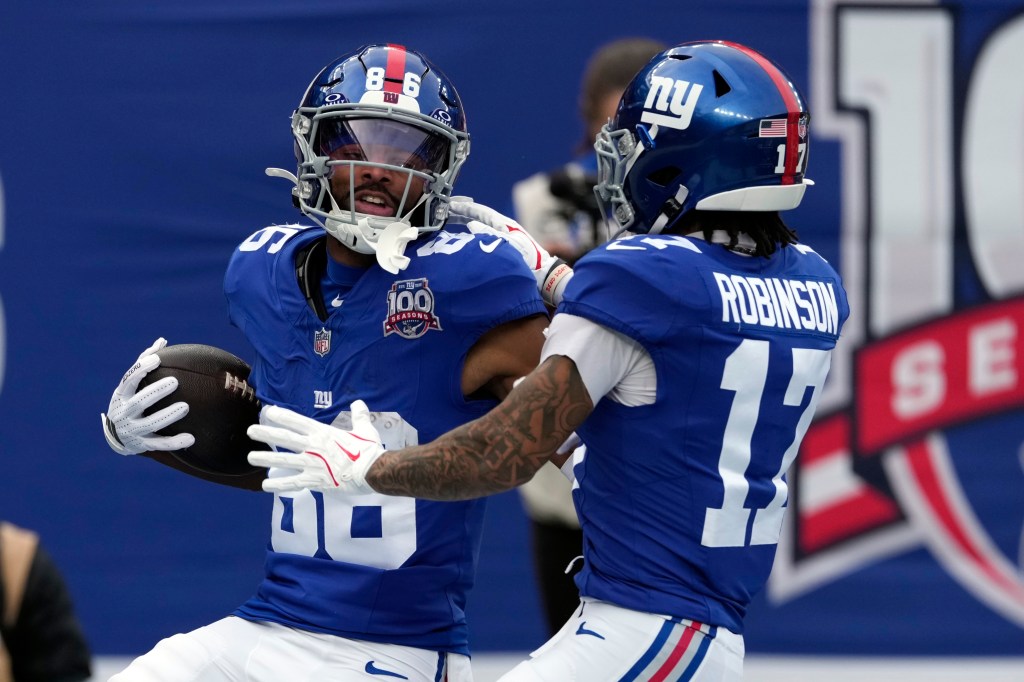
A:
{"x": 252, "y": 281}
{"x": 496, "y": 285}
{"x": 620, "y": 292}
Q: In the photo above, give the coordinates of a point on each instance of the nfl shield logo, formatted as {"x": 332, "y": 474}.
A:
{"x": 322, "y": 342}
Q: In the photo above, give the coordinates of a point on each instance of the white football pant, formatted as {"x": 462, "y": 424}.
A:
{"x": 606, "y": 642}
{"x": 237, "y": 650}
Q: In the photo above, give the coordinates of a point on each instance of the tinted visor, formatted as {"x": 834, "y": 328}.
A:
{"x": 380, "y": 140}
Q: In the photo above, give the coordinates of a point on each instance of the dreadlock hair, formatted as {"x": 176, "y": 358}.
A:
{"x": 764, "y": 227}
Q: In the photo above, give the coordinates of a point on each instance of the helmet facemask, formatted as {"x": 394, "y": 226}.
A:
{"x": 380, "y": 136}
{"x": 617, "y": 151}
{"x": 340, "y": 144}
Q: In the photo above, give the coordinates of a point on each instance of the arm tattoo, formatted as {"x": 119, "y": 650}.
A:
{"x": 498, "y": 451}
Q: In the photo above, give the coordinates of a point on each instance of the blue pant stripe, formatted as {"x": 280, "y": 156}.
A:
{"x": 651, "y": 652}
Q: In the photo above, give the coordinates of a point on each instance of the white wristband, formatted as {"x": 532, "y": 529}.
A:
{"x": 553, "y": 284}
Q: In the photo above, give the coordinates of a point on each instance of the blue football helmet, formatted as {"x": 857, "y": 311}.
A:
{"x": 709, "y": 125}
{"x": 379, "y": 108}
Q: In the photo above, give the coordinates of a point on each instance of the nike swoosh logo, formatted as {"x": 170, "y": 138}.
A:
{"x": 582, "y": 630}
{"x": 336, "y": 303}
{"x": 488, "y": 248}
{"x": 374, "y": 670}
{"x": 327, "y": 465}
{"x": 354, "y": 456}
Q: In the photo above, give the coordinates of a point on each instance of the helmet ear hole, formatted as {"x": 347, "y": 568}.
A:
{"x": 663, "y": 176}
{"x": 722, "y": 86}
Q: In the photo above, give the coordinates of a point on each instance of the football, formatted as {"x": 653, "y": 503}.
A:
{"x": 221, "y": 403}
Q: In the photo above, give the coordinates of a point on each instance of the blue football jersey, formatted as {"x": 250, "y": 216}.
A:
{"x": 681, "y": 501}
{"x": 387, "y": 569}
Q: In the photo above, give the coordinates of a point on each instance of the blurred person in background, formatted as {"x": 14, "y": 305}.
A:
{"x": 558, "y": 207}
{"x": 560, "y": 210}
{"x": 41, "y": 639}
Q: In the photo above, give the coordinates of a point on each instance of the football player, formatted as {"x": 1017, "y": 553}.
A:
{"x": 393, "y": 298}
{"x": 688, "y": 357}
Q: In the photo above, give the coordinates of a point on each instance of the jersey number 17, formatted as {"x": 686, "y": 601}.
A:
{"x": 745, "y": 374}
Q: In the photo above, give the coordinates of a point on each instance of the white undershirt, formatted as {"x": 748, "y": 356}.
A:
{"x": 611, "y": 364}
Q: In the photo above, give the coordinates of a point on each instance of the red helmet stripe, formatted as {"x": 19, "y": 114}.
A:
{"x": 394, "y": 73}
{"x": 793, "y": 111}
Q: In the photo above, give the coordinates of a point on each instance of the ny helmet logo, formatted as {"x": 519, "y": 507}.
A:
{"x": 677, "y": 97}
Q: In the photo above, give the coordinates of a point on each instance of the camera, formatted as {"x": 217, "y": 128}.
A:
{"x": 575, "y": 187}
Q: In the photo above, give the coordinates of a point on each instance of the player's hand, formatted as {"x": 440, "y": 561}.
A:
{"x": 323, "y": 457}
{"x": 126, "y": 429}
{"x": 552, "y": 273}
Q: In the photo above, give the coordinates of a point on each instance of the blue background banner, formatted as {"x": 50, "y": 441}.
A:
{"x": 133, "y": 138}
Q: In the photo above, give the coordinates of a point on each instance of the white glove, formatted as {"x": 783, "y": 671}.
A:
{"x": 126, "y": 429}
{"x": 552, "y": 273}
{"x": 324, "y": 457}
